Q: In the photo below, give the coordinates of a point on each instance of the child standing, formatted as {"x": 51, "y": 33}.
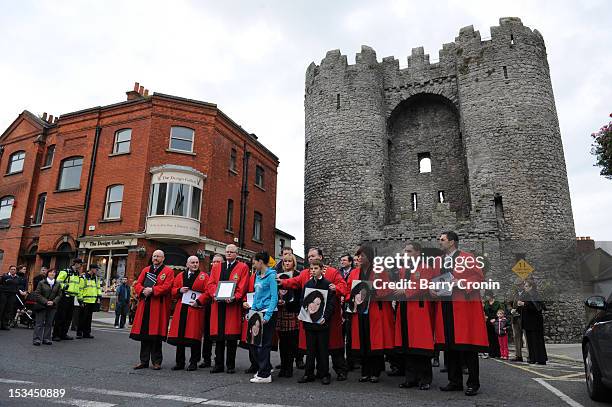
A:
{"x": 501, "y": 330}
{"x": 287, "y": 324}
{"x": 317, "y": 334}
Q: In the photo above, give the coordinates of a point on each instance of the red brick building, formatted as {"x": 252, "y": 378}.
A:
{"x": 111, "y": 184}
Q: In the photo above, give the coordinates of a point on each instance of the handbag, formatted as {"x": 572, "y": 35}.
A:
{"x": 31, "y": 302}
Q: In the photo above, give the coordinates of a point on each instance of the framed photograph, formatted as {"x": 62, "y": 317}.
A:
{"x": 225, "y": 290}
{"x": 284, "y": 294}
{"x": 189, "y": 296}
{"x": 255, "y": 328}
{"x": 361, "y": 294}
{"x": 149, "y": 280}
{"x": 313, "y": 306}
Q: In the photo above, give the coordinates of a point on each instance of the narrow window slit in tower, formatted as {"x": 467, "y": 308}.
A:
{"x": 511, "y": 39}
{"x": 414, "y": 200}
{"x": 441, "y": 197}
{"x": 338, "y": 101}
{"x": 505, "y": 72}
{"x": 499, "y": 206}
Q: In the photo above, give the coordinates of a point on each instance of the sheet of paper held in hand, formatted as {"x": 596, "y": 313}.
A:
{"x": 225, "y": 290}
{"x": 250, "y": 298}
{"x": 189, "y": 296}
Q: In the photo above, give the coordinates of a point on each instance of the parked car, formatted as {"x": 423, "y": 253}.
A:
{"x": 597, "y": 349}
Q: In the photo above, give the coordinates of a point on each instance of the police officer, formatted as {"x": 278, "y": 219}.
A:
{"x": 69, "y": 279}
{"x": 90, "y": 295}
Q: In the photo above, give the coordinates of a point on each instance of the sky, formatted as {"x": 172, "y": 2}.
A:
{"x": 250, "y": 58}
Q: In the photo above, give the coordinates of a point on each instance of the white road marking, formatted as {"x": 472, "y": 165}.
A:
{"x": 558, "y": 392}
{"x": 141, "y": 395}
{"x": 223, "y": 403}
{"x": 11, "y": 381}
{"x": 81, "y": 403}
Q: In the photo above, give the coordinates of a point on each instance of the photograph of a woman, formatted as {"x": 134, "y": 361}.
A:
{"x": 360, "y": 297}
{"x": 313, "y": 306}
{"x": 254, "y": 329}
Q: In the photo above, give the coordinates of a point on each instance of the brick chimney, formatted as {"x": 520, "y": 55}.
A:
{"x": 134, "y": 94}
{"x": 585, "y": 244}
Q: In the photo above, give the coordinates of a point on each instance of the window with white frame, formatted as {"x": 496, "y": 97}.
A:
{"x": 16, "y": 161}
{"x": 70, "y": 173}
{"x": 175, "y": 199}
{"x": 6, "y": 209}
{"x": 181, "y": 139}
{"x": 257, "y": 226}
{"x": 114, "y": 200}
{"x": 259, "y": 176}
{"x": 123, "y": 139}
{"x": 49, "y": 156}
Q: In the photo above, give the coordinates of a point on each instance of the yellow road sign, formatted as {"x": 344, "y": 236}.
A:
{"x": 522, "y": 269}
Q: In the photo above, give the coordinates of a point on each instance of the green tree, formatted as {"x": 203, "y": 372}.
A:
{"x": 602, "y": 149}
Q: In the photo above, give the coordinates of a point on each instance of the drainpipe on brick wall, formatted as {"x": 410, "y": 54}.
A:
{"x": 92, "y": 168}
{"x": 244, "y": 193}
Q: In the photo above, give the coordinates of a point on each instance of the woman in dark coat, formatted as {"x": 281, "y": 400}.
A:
{"x": 531, "y": 307}
{"x": 491, "y": 306}
{"x": 48, "y": 294}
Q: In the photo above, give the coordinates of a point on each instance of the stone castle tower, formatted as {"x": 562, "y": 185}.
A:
{"x": 470, "y": 143}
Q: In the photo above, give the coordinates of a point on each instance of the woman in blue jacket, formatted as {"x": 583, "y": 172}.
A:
{"x": 265, "y": 300}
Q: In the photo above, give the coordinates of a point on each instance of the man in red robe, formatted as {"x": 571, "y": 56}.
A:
{"x": 226, "y": 315}
{"x": 460, "y": 324}
{"x": 151, "y": 321}
{"x": 187, "y": 320}
{"x": 338, "y": 285}
{"x": 414, "y": 337}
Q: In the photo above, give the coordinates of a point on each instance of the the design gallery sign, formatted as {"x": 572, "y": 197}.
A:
{"x": 107, "y": 244}
{"x": 176, "y": 177}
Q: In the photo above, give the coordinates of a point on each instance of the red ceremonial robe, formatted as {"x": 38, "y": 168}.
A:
{"x": 187, "y": 321}
{"x": 226, "y": 318}
{"x": 378, "y": 322}
{"x": 336, "y": 339}
{"x": 413, "y": 315}
{"x": 153, "y": 312}
{"x": 460, "y": 323}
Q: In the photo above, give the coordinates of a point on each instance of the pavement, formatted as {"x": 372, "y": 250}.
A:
{"x": 97, "y": 373}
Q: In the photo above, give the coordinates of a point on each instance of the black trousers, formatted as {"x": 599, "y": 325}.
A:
{"x": 206, "y": 342}
{"x": 151, "y": 350}
{"x": 317, "y": 349}
{"x": 231, "y": 353}
{"x": 493, "y": 344}
{"x": 418, "y": 369}
{"x": 350, "y": 357}
{"x": 63, "y": 317}
{"x": 288, "y": 346}
{"x": 194, "y": 358}
{"x": 338, "y": 361}
{"x": 121, "y": 311}
{"x": 372, "y": 364}
{"x": 262, "y": 353}
{"x": 85, "y": 315}
{"x": 7, "y": 303}
{"x": 454, "y": 360}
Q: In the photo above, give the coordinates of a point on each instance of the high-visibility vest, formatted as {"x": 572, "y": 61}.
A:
{"x": 89, "y": 289}
{"x": 69, "y": 281}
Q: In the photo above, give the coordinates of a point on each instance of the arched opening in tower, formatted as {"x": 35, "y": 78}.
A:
{"x": 426, "y": 160}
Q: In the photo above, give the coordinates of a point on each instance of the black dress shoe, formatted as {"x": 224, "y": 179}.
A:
{"x": 204, "y": 364}
{"x": 364, "y": 379}
{"x": 471, "y": 391}
{"x": 251, "y": 370}
{"x": 47, "y": 343}
{"x": 230, "y": 370}
{"x": 540, "y": 363}
{"x": 36, "y": 343}
{"x": 88, "y": 336}
{"x": 517, "y": 359}
{"x": 341, "y": 377}
{"x": 425, "y": 386}
{"x": 67, "y": 338}
{"x": 140, "y": 366}
{"x": 325, "y": 380}
{"x": 191, "y": 368}
{"x": 451, "y": 387}
{"x": 408, "y": 385}
{"x": 56, "y": 339}
{"x": 374, "y": 379}
{"x": 444, "y": 370}
{"x": 217, "y": 369}
{"x": 306, "y": 379}
{"x": 278, "y": 366}
{"x": 178, "y": 367}
{"x": 156, "y": 367}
